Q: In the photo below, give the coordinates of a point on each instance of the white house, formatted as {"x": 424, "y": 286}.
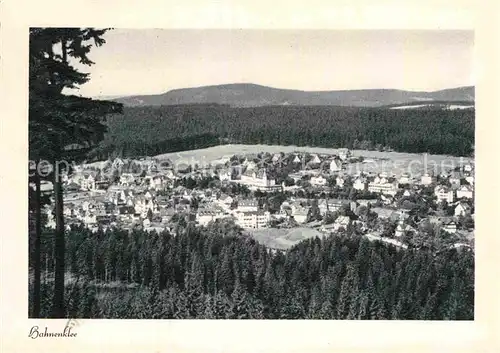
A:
{"x": 367, "y": 202}
{"x": 253, "y": 219}
{"x": 324, "y": 206}
{"x": 299, "y": 214}
{"x": 127, "y": 179}
{"x": 282, "y": 214}
{"x": 76, "y": 178}
{"x": 382, "y": 185}
{"x": 295, "y": 176}
{"x": 444, "y": 193}
{"x": 157, "y": 182}
{"x": 86, "y": 205}
{"x": 454, "y": 180}
{"x": 402, "y": 229}
{"x": 465, "y": 191}
{"x": 344, "y": 153}
{"x": 427, "y": 179}
{"x": 88, "y": 182}
{"x": 170, "y": 174}
{"x": 462, "y": 209}
{"x": 225, "y": 201}
{"x": 205, "y": 216}
{"x": 249, "y": 164}
{"x": 296, "y": 159}
{"x": 276, "y": 157}
{"x": 335, "y": 165}
{"x": 142, "y": 205}
{"x": 257, "y": 179}
{"x": 341, "y": 222}
{"x": 450, "y": 226}
{"x": 318, "y": 181}
{"x": 90, "y": 218}
{"x": 339, "y": 181}
{"x": 360, "y": 184}
{"x": 405, "y": 178}
{"x": 188, "y": 195}
{"x": 225, "y": 174}
{"x": 315, "y": 159}
{"x": 327, "y": 228}
{"x": 468, "y": 168}
{"x": 247, "y": 206}
{"x": 333, "y": 205}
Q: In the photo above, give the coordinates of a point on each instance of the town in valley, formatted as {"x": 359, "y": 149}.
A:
{"x": 318, "y": 194}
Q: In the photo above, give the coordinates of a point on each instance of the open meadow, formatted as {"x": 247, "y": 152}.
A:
{"x": 283, "y": 238}
{"x": 375, "y": 161}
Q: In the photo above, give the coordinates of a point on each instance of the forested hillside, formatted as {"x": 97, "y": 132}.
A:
{"x": 156, "y": 130}
{"x": 216, "y": 272}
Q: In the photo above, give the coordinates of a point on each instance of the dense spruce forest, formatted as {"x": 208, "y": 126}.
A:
{"x": 163, "y": 129}
{"x": 215, "y": 272}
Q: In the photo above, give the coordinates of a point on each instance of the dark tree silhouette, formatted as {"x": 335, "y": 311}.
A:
{"x": 62, "y": 127}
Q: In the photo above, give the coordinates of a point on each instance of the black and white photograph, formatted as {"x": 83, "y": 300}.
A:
{"x": 257, "y": 174}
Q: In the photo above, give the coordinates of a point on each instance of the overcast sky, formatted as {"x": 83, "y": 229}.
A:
{"x": 155, "y": 61}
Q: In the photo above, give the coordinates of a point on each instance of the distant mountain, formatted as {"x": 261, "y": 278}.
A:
{"x": 252, "y": 95}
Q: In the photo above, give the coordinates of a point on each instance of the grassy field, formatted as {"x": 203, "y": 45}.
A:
{"x": 375, "y": 161}
{"x": 283, "y": 238}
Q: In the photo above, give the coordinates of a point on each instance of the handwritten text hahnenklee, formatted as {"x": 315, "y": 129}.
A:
{"x": 36, "y": 332}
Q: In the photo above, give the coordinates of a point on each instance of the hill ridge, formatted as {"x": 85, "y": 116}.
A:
{"x": 254, "y": 95}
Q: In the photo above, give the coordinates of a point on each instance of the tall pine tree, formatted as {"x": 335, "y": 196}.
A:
{"x": 59, "y": 122}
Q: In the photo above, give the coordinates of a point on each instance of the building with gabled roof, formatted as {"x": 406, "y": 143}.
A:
{"x": 405, "y": 178}
{"x": 207, "y": 215}
{"x": 340, "y": 181}
{"x": 315, "y": 159}
{"x": 299, "y": 213}
{"x": 344, "y": 153}
{"x": 333, "y": 205}
{"x": 247, "y": 205}
{"x": 449, "y": 226}
{"x": 444, "y": 193}
{"x": 318, "y": 180}
{"x": 427, "y": 179}
{"x": 383, "y": 185}
{"x": 462, "y": 209}
{"x": 258, "y": 179}
{"x": 465, "y": 191}
{"x": 341, "y": 222}
{"x": 127, "y": 179}
{"x": 225, "y": 174}
{"x": 361, "y": 184}
{"x": 335, "y": 165}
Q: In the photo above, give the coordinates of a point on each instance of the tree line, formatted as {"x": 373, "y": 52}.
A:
{"x": 216, "y": 272}
{"x": 156, "y": 130}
